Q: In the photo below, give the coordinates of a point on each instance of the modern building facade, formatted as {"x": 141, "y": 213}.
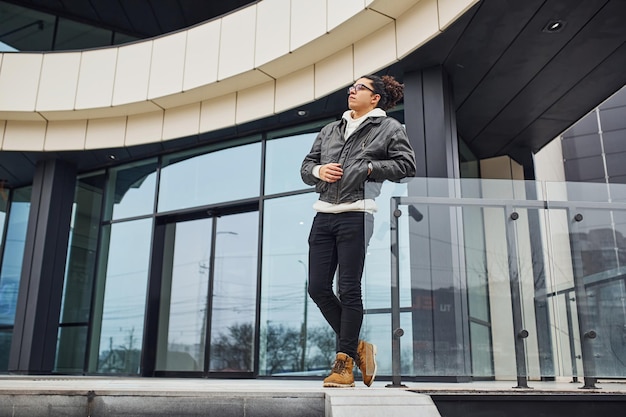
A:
{"x": 154, "y": 222}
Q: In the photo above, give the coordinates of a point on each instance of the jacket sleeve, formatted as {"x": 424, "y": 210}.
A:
{"x": 400, "y": 162}
{"x": 312, "y": 159}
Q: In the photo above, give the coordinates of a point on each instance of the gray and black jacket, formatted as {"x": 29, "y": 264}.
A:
{"x": 380, "y": 140}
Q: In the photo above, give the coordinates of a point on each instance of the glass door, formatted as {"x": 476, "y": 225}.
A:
{"x": 207, "y": 296}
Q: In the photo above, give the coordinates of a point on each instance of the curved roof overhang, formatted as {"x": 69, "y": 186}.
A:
{"x": 256, "y": 62}
{"x": 516, "y": 85}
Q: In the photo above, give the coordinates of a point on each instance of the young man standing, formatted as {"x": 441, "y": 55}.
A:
{"x": 363, "y": 149}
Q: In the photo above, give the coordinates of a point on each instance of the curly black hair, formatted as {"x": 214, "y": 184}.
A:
{"x": 389, "y": 89}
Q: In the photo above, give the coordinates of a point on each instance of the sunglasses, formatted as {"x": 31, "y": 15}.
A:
{"x": 359, "y": 87}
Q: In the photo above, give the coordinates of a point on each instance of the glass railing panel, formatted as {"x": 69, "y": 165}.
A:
{"x": 599, "y": 275}
{"x": 498, "y": 279}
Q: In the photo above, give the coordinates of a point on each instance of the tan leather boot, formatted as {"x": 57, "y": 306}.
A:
{"x": 366, "y": 361}
{"x": 341, "y": 375}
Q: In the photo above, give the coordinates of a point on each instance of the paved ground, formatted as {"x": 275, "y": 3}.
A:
{"x": 123, "y": 396}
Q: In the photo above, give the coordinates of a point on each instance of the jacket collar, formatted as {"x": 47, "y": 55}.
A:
{"x": 377, "y": 112}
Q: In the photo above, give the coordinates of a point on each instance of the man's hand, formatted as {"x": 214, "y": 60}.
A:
{"x": 331, "y": 172}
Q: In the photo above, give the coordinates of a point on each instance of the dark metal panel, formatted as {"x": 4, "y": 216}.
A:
{"x": 414, "y": 119}
{"x": 33, "y": 346}
{"x": 142, "y": 15}
{"x": 592, "y": 44}
{"x": 18, "y": 167}
{"x": 531, "y": 51}
{"x": 493, "y": 29}
{"x": 607, "y": 77}
{"x": 81, "y": 8}
{"x": 112, "y": 15}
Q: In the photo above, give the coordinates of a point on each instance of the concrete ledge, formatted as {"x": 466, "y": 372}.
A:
{"x": 376, "y": 403}
{"x": 22, "y": 396}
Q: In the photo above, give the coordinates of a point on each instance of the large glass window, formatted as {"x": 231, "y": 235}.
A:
{"x": 233, "y": 309}
{"x": 121, "y": 298}
{"x": 295, "y": 338}
{"x": 183, "y": 312}
{"x": 225, "y": 175}
{"x": 11, "y": 267}
{"x": 283, "y": 158}
{"x": 208, "y": 284}
{"x": 131, "y": 190}
{"x": 79, "y": 274}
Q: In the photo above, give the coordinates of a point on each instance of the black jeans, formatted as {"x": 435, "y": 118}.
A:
{"x": 339, "y": 240}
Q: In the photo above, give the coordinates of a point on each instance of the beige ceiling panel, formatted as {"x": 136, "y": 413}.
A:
{"x": 334, "y": 72}
{"x": 394, "y": 8}
{"x": 450, "y": 10}
{"x": 218, "y": 112}
{"x": 23, "y": 116}
{"x": 99, "y": 113}
{"x": 132, "y": 73}
{"x": 237, "y": 43}
{"x": 144, "y": 128}
{"x": 376, "y": 51}
{"x": 295, "y": 89}
{"x": 255, "y": 103}
{"x": 347, "y": 34}
{"x": 217, "y": 89}
{"x": 417, "y": 26}
{"x": 201, "y": 57}
{"x": 96, "y": 78}
{"x": 24, "y": 136}
{"x": 167, "y": 65}
{"x": 181, "y": 121}
{"x": 66, "y": 135}
{"x": 19, "y": 81}
{"x": 58, "y": 81}
{"x": 105, "y": 133}
{"x": 340, "y": 11}
{"x": 308, "y": 21}
{"x": 272, "y": 30}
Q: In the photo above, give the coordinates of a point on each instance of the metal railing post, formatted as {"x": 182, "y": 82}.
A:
{"x": 587, "y": 334}
{"x": 516, "y": 299}
{"x": 396, "y": 330}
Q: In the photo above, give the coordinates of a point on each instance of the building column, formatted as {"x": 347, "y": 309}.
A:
{"x": 439, "y": 308}
{"x": 33, "y": 346}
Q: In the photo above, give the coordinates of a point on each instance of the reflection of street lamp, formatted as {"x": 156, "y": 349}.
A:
{"x": 303, "y": 334}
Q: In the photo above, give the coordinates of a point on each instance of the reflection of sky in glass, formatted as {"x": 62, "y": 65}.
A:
{"x": 283, "y": 159}
{"x": 190, "y": 280}
{"x": 12, "y": 261}
{"x": 227, "y": 175}
{"x": 6, "y": 48}
{"x": 287, "y": 224}
{"x": 137, "y": 200}
{"x": 234, "y": 287}
{"x": 126, "y": 280}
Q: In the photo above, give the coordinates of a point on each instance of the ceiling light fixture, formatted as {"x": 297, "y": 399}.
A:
{"x": 554, "y": 26}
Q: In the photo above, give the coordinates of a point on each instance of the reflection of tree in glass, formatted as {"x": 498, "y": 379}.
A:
{"x": 124, "y": 359}
{"x": 324, "y": 341}
{"x": 233, "y": 351}
{"x": 283, "y": 353}
{"x": 283, "y": 349}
